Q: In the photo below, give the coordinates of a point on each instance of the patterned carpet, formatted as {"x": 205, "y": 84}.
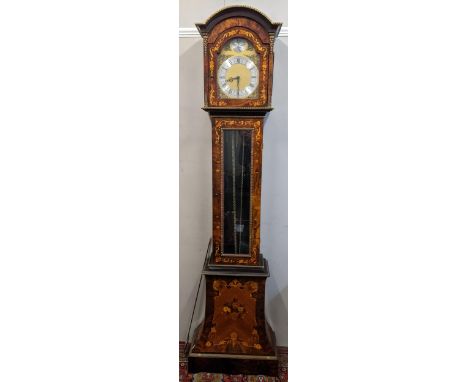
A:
{"x": 184, "y": 376}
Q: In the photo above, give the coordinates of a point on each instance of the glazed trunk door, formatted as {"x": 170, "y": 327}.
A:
{"x": 237, "y": 180}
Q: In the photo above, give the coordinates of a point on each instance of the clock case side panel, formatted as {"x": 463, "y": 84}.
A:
{"x": 218, "y": 125}
{"x": 216, "y": 39}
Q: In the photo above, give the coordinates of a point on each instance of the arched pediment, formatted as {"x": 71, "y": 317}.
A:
{"x": 239, "y": 11}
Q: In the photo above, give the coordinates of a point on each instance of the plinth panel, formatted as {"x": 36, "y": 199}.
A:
{"x": 235, "y": 332}
{"x": 233, "y": 366}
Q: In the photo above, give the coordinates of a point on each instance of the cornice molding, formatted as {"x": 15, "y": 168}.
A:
{"x": 193, "y": 32}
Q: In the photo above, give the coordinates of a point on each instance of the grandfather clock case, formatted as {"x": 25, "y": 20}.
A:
{"x": 235, "y": 336}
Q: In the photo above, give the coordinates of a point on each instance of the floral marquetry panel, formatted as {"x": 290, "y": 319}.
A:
{"x": 234, "y": 320}
{"x": 237, "y": 161}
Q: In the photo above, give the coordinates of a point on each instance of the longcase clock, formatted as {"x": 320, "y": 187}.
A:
{"x": 235, "y": 337}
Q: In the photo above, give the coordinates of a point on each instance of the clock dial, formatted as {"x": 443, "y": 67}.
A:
{"x": 238, "y": 77}
{"x": 237, "y": 70}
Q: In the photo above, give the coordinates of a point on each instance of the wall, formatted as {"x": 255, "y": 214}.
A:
{"x": 193, "y": 11}
{"x": 195, "y": 170}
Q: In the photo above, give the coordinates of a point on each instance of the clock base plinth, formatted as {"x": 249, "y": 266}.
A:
{"x": 235, "y": 337}
{"x": 220, "y": 363}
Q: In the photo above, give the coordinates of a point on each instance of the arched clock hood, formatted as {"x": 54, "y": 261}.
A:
{"x": 239, "y": 11}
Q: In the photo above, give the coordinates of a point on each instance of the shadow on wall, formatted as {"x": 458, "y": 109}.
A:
{"x": 190, "y": 75}
{"x": 280, "y": 76}
{"x": 187, "y": 309}
{"x": 274, "y": 218}
{"x": 194, "y": 180}
{"x": 278, "y": 315}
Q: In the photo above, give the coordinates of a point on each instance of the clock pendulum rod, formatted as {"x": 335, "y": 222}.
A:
{"x": 241, "y": 230}
{"x": 233, "y": 159}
